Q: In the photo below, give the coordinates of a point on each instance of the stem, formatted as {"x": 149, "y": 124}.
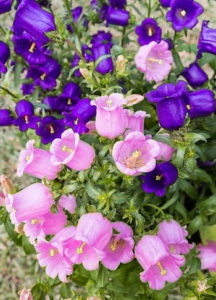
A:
{"x": 155, "y": 207}
{"x": 123, "y": 35}
{"x": 67, "y": 4}
{"x": 149, "y": 8}
{"x": 8, "y": 92}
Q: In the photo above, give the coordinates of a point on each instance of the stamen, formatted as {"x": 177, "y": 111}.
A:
{"x": 150, "y": 31}
{"x": 69, "y": 101}
{"x": 162, "y": 270}
{"x": 35, "y": 221}
{"x": 43, "y": 76}
{"x": 136, "y": 154}
{"x": 114, "y": 245}
{"x": 80, "y": 249}
{"x": 26, "y": 119}
{"x": 183, "y": 13}
{"x": 76, "y": 121}
{"x": 67, "y": 149}
{"x": 52, "y": 252}
{"x": 109, "y": 103}
{"x": 27, "y": 157}
{"x": 32, "y": 48}
{"x": 188, "y": 106}
{"x": 51, "y": 129}
{"x": 159, "y": 61}
{"x": 158, "y": 177}
{"x": 134, "y": 161}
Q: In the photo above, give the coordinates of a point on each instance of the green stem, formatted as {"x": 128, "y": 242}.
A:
{"x": 67, "y": 4}
{"x": 155, "y": 207}
{"x": 8, "y": 92}
{"x": 149, "y": 8}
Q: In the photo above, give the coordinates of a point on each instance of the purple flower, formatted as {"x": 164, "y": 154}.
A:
{"x": 200, "y": 103}
{"x": 148, "y": 31}
{"x": 117, "y": 3}
{"x": 76, "y": 13}
{"x": 195, "y": 75}
{"x": 170, "y": 103}
{"x": 4, "y": 56}
{"x": 114, "y": 16}
{"x": 157, "y": 180}
{"x": 5, "y": 117}
{"x": 101, "y": 37}
{"x": 26, "y": 118}
{"x": 165, "y": 3}
{"x": 80, "y": 114}
{"x": 5, "y": 6}
{"x": 207, "y": 39}
{"x": 34, "y": 20}
{"x": 45, "y": 75}
{"x": 183, "y": 14}
{"x": 27, "y": 88}
{"x": 87, "y": 54}
{"x": 75, "y": 63}
{"x": 49, "y": 129}
{"x": 106, "y": 65}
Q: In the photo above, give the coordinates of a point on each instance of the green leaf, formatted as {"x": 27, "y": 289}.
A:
{"x": 195, "y": 224}
{"x": 12, "y": 234}
{"x": 65, "y": 291}
{"x": 28, "y": 248}
{"x": 93, "y": 191}
{"x": 208, "y": 233}
{"x": 38, "y": 291}
{"x": 188, "y": 188}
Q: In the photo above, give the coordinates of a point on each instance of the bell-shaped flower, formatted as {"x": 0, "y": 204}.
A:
{"x": 118, "y": 3}
{"x": 4, "y": 56}
{"x": 166, "y": 151}
{"x": 68, "y": 203}
{"x": 207, "y": 255}
{"x": 101, "y": 37}
{"x": 49, "y": 129}
{"x": 159, "y": 265}
{"x": 195, "y": 75}
{"x": 174, "y": 237}
{"x": 5, "y": 117}
{"x": 36, "y": 162}
{"x": 134, "y": 121}
{"x": 71, "y": 151}
{"x": 155, "y": 60}
{"x": 106, "y": 64}
{"x": 165, "y": 3}
{"x": 136, "y": 154}
{"x": 119, "y": 17}
{"x": 207, "y": 39}
{"x": 110, "y": 117}
{"x": 120, "y": 247}
{"x": 25, "y": 295}
{"x": 148, "y": 32}
{"x": 5, "y": 6}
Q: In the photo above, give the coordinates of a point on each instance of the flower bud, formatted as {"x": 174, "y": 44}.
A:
{"x": 25, "y": 295}
{"x": 121, "y": 64}
{"x": 7, "y": 185}
{"x": 19, "y": 228}
{"x": 85, "y": 73}
{"x": 134, "y": 99}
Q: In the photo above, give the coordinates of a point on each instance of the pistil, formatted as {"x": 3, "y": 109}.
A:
{"x": 162, "y": 270}
{"x": 156, "y": 60}
{"x": 80, "y": 249}
{"x": 32, "y": 48}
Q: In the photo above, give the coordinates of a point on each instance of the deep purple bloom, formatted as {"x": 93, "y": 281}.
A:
{"x": 106, "y": 65}
{"x": 157, "y": 180}
{"x": 80, "y": 114}
{"x": 148, "y": 31}
{"x": 45, "y": 75}
{"x": 114, "y": 16}
{"x": 5, "y": 6}
{"x": 169, "y": 42}
{"x": 87, "y": 54}
{"x": 5, "y": 117}
{"x": 27, "y": 88}
{"x": 200, "y": 103}
{"x": 76, "y": 13}
{"x": 207, "y": 39}
{"x": 75, "y": 63}
{"x": 117, "y": 3}
{"x": 4, "y": 56}
{"x": 165, "y": 3}
{"x": 30, "y": 17}
{"x": 101, "y": 37}
{"x": 49, "y": 129}
{"x": 195, "y": 75}
{"x": 26, "y": 118}
{"x": 183, "y": 14}
{"x": 170, "y": 103}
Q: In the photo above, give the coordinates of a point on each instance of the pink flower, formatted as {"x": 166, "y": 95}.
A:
{"x": 49, "y": 223}
{"x": 2, "y": 199}
{"x": 134, "y": 121}
{"x": 154, "y": 60}
{"x": 173, "y": 235}
{"x": 25, "y": 295}
{"x": 110, "y": 117}
{"x": 207, "y": 256}
{"x": 135, "y": 154}
{"x": 166, "y": 151}
{"x": 160, "y": 266}
{"x": 36, "y": 162}
{"x": 31, "y": 202}
{"x": 92, "y": 234}
{"x": 68, "y": 203}
{"x": 71, "y": 151}
{"x": 91, "y": 127}
{"x": 120, "y": 247}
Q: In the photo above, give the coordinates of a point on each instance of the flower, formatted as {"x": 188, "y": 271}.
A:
{"x": 148, "y": 31}
{"x": 92, "y": 234}
{"x": 114, "y": 16}
{"x": 157, "y": 180}
{"x": 207, "y": 40}
{"x": 120, "y": 247}
{"x": 49, "y": 129}
{"x": 25, "y": 295}
{"x": 71, "y": 151}
{"x": 195, "y": 75}
{"x": 207, "y": 255}
{"x": 36, "y": 162}
{"x": 135, "y": 154}
{"x": 170, "y": 103}
{"x": 166, "y": 151}
{"x": 5, "y": 6}
{"x": 159, "y": 265}
{"x": 183, "y": 14}
{"x": 31, "y": 202}
{"x": 5, "y": 117}
{"x": 110, "y": 117}
{"x": 134, "y": 121}
{"x": 26, "y": 118}
{"x": 27, "y": 88}
{"x": 165, "y": 3}
{"x": 200, "y": 103}
{"x": 4, "y": 56}
{"x": 105, "y": 65}
{"x": 42, "y": 22}
{"x": 118, "y": 3}
{"x": 68, "y": 203}
{"x": 134, "y": 99}
{"x": 101, "y": 37}
{"x": 154, "y": 60}
{"x": 173, "y": 236}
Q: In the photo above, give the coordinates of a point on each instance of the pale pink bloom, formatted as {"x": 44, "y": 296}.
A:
{"x": 68, "y": 203}
{"x": 135, "y": 154}
{"x": 154, "y": 60}
{"x": 173, "y": 235}
{"x": 92, "y": 234}
{"x": 134, "y": 99}
{"x": 2, "y": 199}
{"x": 36, "y": 162}
{"x": 110, "y": 117}
{"x": 71, "y": 151}
{"x": 207, "y": 255}
{"x": 91, "y": 127}
{"x": 31, "y": 202}
{"x": 93, "y": 298}
{"x": 25, "y": 295}
{"x": 166, "y": 151}
{"x": 134, "y": 121}
{"x": 50, "y": 223}
{"x": 159, "y": 265}
{"x": 120, "y": 247}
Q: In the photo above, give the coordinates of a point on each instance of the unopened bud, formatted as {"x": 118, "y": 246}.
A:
{"x": 25, "y": 295}
{"x": 85, "y": 73}
{"x": 7, "y": 185}
{"x": 134, "y": 99}
{"x": 19, "y": 228}
{"x": 121, "y": 64}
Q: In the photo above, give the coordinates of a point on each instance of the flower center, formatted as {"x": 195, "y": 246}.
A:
{"x": 162, "y": 270}
{"x": 32, "y": 48}
{"x": 80, "y": 249}
{"x": 134, "y": 161}
{"x": 76, "y": 121}
{"x": 52, "y": 252}
{"x": 116, "y": 244}
{"x": 43, "y": 76}
{"x": 26, "y": 119}
{"x": 51, "y": 129}
{"x": 188, "y": 106}
{"x": 109, "y": 103}
{"x": 67, "y": 149}
{"x": 158, "y": 177}
{"x": 69, "y": 101}
{"x": 150, "y": 30}
{"x": 183, "y": 13}
{"x": 172, "y": 249}
{"x": 35, "y": 221}
{"x": 155, "y": 60}
{"x": 27, "y": 157}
